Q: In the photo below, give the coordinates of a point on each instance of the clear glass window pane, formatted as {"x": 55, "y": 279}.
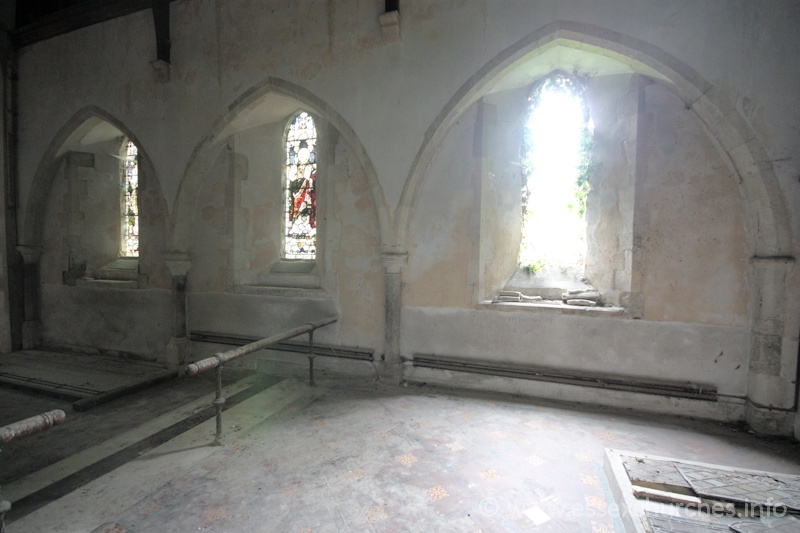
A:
{"x": 558, "y": 138}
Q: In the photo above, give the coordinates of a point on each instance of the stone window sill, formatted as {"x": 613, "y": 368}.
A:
{"x": 289, "y": 274}
{"x": 556, "y": 306}
{"x": 107, "y": 283}
{"x": 122, "y": 269}
{"x": 548, "y": 286}
{"x": 289, "y": 281}
{"x": 293, "y": 266}
{"x": 122, "y": 273}
{"x": 309, "y": 293}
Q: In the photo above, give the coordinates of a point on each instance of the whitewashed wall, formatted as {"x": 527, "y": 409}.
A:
{"x": 405, "y": 111}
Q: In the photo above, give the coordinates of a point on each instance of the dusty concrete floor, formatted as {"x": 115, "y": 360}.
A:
{"x": 358, "y": 456}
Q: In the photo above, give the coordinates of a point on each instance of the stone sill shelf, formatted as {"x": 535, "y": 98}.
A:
{"x": 107, "y": 283}
{"x": 283, "y": 292}
{"x": 550, "y": 306}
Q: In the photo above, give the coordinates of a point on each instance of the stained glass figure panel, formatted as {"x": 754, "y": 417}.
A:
{"x": 129, "y": 243}
{"x": 300, "y": 213}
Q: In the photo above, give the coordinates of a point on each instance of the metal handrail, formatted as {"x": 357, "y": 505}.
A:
{"x": 219, "y": 359}
{"x": 29, "y": 426}
{"x": 32, "y": 425}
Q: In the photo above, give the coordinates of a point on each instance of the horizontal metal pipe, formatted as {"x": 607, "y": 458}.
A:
{"x": 223, "y": 357}
{"x": 325, "y": 351}
{"x": 499, "y": 370}
{"x": 322, "y": 350}
{"x": 32, "y": 425}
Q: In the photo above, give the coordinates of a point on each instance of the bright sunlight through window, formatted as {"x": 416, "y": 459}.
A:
{"x": 557, "y": 146}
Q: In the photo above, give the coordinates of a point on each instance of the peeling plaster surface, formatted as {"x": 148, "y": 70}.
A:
{"x": 421, "y": 132}
{"x": 714, "y": 355}
{"x": 694, "y": 248}
{"x": 123, "y": 321}
{"x": 213, "y": 46}
{"x": 238, "y": 234}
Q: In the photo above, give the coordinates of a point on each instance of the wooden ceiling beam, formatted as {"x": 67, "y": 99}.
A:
{"x": 86, "y": 14}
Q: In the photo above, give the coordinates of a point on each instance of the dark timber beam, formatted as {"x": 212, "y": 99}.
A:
{"x": 82, "y": 15}
{"x": 161, "y": 20}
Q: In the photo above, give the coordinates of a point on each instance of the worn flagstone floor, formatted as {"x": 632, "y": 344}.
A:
{"x": 364, "y": 457}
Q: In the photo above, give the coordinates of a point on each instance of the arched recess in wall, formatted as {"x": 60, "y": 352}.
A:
{"x": 246, "y": 111}
{"x": 769, "y": 233}
{"x": 89, "y": 125}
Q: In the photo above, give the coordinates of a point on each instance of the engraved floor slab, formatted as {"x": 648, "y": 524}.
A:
{"x": 786, "y": 525}
{"x": 664, "y": 509}
{"x": 741, "y": 487}
{"x": 662, "y": 475}
{"x": 663, "y": 523}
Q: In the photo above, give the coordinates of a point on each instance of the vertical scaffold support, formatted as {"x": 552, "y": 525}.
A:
{"x": 218, "y": 402}
{"x": 219, "y": 359}
{"x": 311, "y": 358}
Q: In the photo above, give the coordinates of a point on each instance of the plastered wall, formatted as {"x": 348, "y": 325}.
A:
{"x": 691, "y": 255}
{"x": 696, "y": 161}
{"x": 694, "y": 246}
{"x": 238, "y": 238}
{"x": 81, "y": 235}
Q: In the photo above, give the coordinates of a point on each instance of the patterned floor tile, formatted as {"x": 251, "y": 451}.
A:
{"x": 595, "y": 502}
{"x": 437, "y": 493}
{"x": 454, "y": 446}
{"x": 389, "y": 433}
{"x": 490, "y": 475}
{"x": 353, "y": 475}
{"x": 606, "y": 436}
{"x": 598, "y": 527}
{"x": 343, "y": 465}
{"x": 376, "y": 514}
{"x": 150, "y": 505}
{"x": 112, "y": 528}
{"x": 590, "y": 480}
{"x": 535, "y": 460}
{"x": 215, "y": 514}
{"x": 406, "y": 459}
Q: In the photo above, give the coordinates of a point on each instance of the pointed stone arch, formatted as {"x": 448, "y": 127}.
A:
{"x": 771, "y": 394}
{"x": 769, "y": 233}
{"x": 210, "y": 146}
{"x": 67, "y": 138}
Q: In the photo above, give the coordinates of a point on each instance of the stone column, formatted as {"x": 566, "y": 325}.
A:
{"x": 393, "y": 264}
{"x": 775, "y": 315}
{"x": 179, "y": 346}
{"x": 31, "y": 325}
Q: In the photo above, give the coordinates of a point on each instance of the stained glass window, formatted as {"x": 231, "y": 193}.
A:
{"x": 129, "y": 243}
{"x": 300, "y": 217}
